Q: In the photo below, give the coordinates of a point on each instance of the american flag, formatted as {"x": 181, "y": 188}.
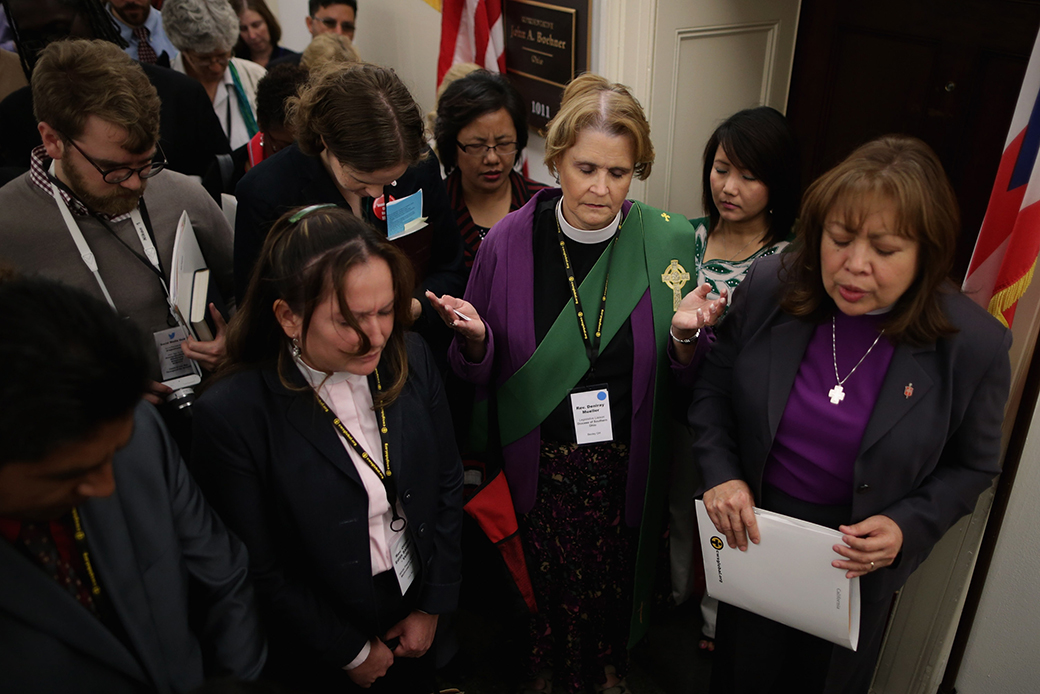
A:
{"x": 471, "y": 32}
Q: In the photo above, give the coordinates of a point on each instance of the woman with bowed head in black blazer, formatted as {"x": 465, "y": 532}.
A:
{"x": 328, "y": 447}
{"x": 852, "y": 385}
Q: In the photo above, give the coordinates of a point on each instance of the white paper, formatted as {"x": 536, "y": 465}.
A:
{"x": 187, "y": 258}
{"x": 787, "y": 577}
{"x": 591, "y": 412}
{"x": 402, "y": 553}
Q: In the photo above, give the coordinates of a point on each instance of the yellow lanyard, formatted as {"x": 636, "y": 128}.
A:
{"x": 397, "y": 523}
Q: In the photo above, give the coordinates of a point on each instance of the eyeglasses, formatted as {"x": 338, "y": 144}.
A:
{"x": 330, "y": 24}
{"x": 501, "y": 149}
{"x": 122, "y": 173}
{"x": 207, "y": 60}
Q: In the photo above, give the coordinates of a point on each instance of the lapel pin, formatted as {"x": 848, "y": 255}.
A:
{"x": 908, "y": 391}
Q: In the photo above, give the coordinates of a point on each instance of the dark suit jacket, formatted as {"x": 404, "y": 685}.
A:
{"x": 291, "y": 178}
{"x": 189, "y": 131}
{"x": 923, "y": 461}
{"x": 275, "y": 468}
{"x": 161, "y": 555}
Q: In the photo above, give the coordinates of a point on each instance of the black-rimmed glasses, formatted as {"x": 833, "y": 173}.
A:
{"x": 122, "y": 173}
{"x": 330, "y": 24}
{"x": 501, "y": 149}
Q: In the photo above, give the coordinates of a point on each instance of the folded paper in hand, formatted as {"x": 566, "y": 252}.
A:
{"x": 787, "y": 577}
{"x": 404, "y": 216}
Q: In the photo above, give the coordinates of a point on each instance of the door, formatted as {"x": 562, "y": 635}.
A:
{"x": 710, "y": 60}
{"x": 946, "y": 71}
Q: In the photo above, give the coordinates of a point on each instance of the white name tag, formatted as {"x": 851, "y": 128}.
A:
{"x": 172, "y": 361}
{"x": 591, "y": 412}
{"x": 403, "y": 554}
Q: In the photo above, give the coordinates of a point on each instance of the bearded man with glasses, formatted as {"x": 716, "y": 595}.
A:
{"x": 97, "y": 209}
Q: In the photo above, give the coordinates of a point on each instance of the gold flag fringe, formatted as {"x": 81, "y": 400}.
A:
{"x": 1006, "y": 297}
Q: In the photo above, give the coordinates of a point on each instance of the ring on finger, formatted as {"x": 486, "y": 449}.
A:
{"x": 871, "y": 566}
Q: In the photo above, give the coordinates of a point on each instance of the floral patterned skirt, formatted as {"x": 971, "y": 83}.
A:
{"x": 581, "y": 556}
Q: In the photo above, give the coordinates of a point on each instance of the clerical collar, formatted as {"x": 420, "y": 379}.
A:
{"x": 582, "y": 236}
{"x": 317, "y": 379}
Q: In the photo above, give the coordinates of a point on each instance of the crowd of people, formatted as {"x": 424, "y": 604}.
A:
{"x": 272, "y": 496}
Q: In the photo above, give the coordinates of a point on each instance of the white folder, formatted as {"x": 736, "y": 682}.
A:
{"x": 787, "y": 577}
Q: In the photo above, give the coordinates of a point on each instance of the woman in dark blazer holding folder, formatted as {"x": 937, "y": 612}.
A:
{"x": 328, "y": 448}
{"x": 853, "y": 386}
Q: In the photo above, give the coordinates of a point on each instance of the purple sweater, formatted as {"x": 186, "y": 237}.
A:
{"x": 814, "y": 453}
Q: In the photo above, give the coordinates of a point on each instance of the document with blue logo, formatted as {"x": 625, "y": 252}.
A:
{"x": 404, "y": 216}
{"x": 787, "y": 577}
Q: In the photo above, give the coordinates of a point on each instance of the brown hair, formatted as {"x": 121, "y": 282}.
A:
{"x": 274, "y": 29}
{"x": 905, "y": 172}
{"x": 76, "y": 79}
{"x": 362, "y": 113}
{"x": 592, "y": 103}
{"x": 308, "y": 254}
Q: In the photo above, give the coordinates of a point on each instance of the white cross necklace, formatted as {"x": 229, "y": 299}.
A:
{"x": 837, "y": 393}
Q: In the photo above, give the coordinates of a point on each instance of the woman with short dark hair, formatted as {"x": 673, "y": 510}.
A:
{"x": 852, "y": 385}
{"x": 481, "y": 132}
{"x": 750, "y": 192}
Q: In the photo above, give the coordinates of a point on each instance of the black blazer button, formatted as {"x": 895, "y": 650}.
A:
{"x": 407, "y": 496}
{"x": 863, "y": 489}
{"x": 422, "y": 530}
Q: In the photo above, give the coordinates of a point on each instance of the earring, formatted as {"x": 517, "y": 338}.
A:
{"x": 296, "y": 348}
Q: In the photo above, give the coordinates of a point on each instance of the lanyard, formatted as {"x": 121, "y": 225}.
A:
{"x": 397, "y": 523}
{"x": 144, "y": 233}
{"x": 81, "y": 545}
{"x": 591, "y": 344}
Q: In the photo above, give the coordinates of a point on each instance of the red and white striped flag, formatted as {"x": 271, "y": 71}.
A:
{"x": 471, "y": 32}
{"x": 1005, "y": 254}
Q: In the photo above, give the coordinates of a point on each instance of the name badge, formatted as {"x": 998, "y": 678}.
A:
{"x": 172, "y": 361}
{"x": 591, "y": 411}
{"x": 403, "y": 554}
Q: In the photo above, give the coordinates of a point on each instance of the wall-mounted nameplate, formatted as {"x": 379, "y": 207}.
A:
{"x": 547, "y": 45}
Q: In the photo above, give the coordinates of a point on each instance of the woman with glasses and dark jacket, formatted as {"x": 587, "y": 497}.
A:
{"x": 481, "y": 131}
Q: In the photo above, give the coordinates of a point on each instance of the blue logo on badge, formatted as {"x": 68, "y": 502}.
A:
{"x": 173, "y": 335}
{"x": 601, "y": 395}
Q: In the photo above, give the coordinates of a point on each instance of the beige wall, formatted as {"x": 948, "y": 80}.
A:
{"x": 402, "y": 34}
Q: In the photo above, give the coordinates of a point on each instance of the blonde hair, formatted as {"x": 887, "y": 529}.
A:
{"x": 590, "y": 102}
{"x": 329, "y": 48}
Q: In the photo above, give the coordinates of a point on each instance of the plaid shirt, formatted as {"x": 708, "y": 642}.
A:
{"x": 38, "y": 166}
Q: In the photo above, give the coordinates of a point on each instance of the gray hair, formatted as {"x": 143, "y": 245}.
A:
{"x": 200, "y": 26}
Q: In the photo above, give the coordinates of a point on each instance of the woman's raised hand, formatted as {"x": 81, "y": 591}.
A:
{"x": 730, "y": 506}
{"x": 460, "y": 316}
{"x": 696, "y": 311}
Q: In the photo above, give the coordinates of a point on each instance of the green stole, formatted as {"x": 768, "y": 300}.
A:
{"x": 648, "y": 242}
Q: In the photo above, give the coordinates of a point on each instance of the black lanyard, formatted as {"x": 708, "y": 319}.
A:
{"x": 397, "y": 523}
{"x": 591, "y": 344}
